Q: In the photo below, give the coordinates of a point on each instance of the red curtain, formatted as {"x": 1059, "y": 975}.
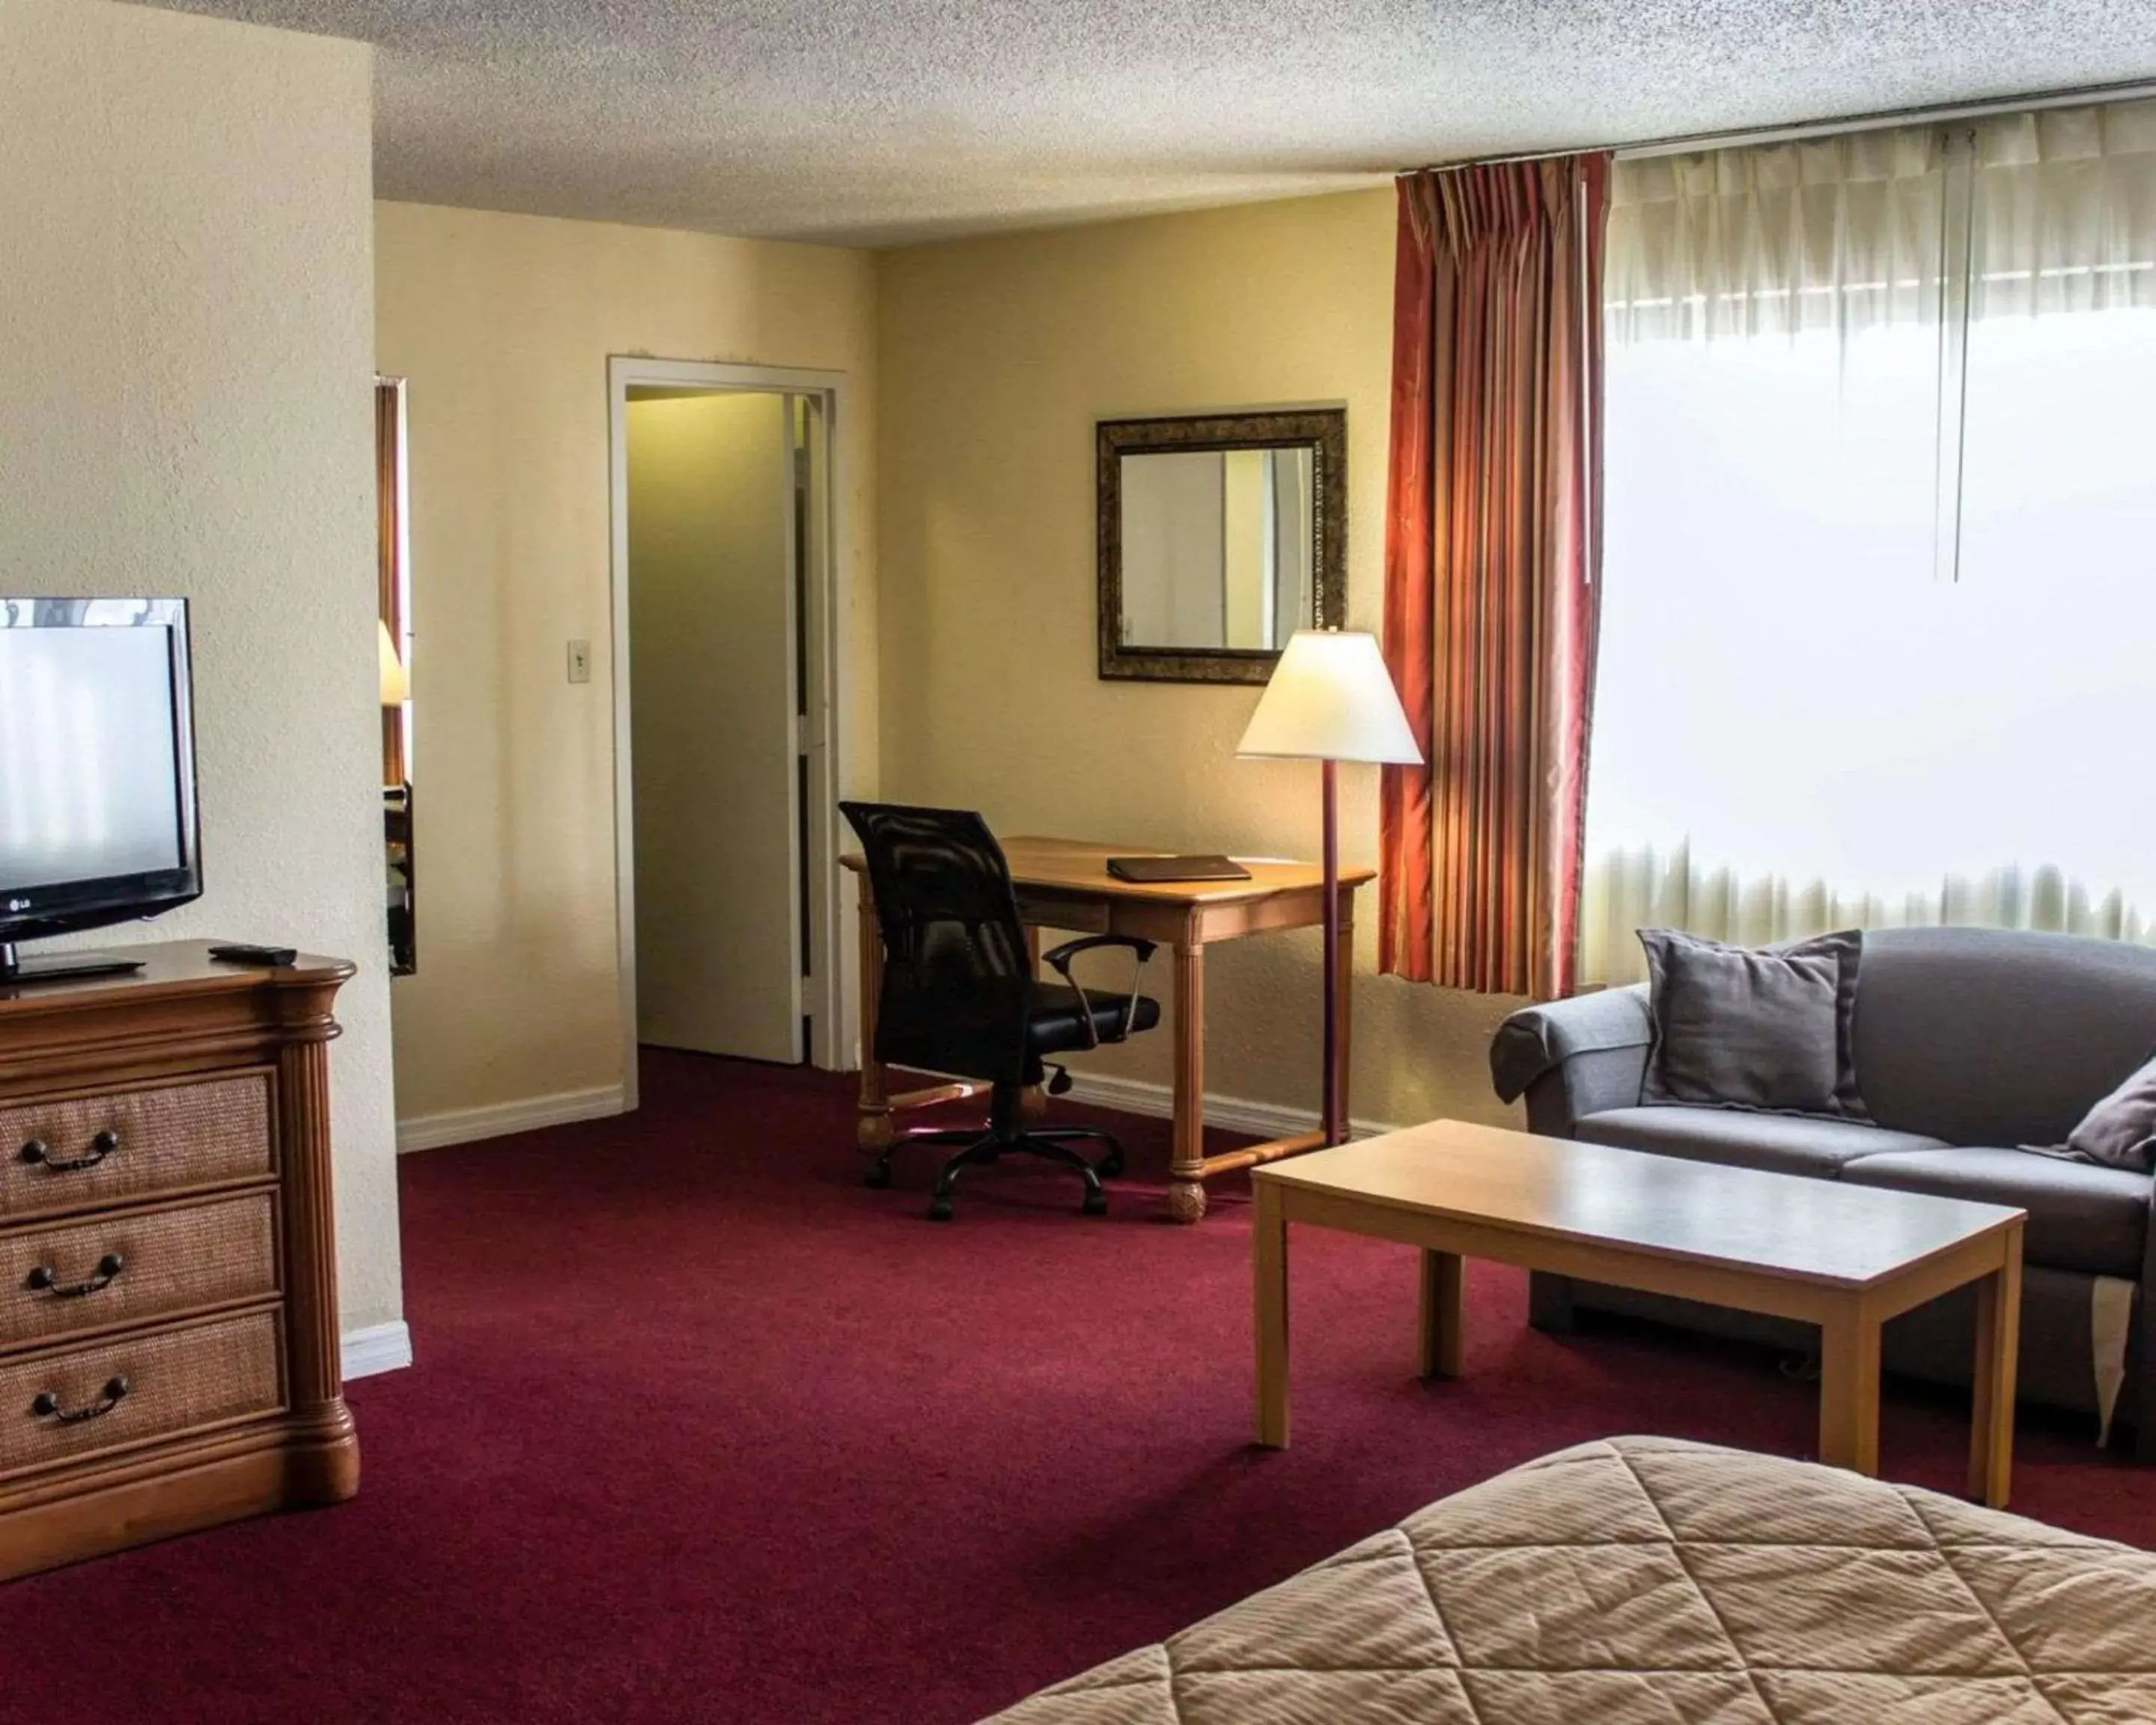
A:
{"x": 1493, "y": 549}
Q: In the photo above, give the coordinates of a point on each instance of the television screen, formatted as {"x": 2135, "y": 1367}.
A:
{"x": 97, "y": 805}
{"x": 88, "y": 741}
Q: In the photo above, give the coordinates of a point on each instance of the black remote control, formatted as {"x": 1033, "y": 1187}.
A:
{"x": 269, "y": 957}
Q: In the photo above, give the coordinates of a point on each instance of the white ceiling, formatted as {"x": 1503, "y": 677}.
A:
{"x": 875, "y": 121}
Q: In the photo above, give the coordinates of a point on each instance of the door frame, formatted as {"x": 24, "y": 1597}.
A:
{"x": 827, "y": 991}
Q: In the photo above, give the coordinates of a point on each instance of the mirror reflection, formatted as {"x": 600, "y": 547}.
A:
{"x": 1217, "y": 547}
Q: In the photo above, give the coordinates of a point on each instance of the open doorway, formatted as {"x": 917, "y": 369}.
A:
{"x": 726, "y": 577}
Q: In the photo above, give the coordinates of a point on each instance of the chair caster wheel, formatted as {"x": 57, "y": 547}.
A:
{"x": 939, "y": 1210}
{"x": 1096, "y": 1203}
{"x": 877, "y": 1177}
{"x": 1111, "y": 1166}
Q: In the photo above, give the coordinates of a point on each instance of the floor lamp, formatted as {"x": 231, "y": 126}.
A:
{"x": 1331, "y": 700}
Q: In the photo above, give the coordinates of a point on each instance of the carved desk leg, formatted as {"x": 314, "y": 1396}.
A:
{"x": 872, "y": 1127}
{"x": 1033, "y": 1104}
{"x": 1186, "y": 1168}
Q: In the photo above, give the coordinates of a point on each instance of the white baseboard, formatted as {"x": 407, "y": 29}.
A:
{"x": 379, "y": 1347}
{"x": 1264, "y": 1120}
{"x": 462, "y": 1125}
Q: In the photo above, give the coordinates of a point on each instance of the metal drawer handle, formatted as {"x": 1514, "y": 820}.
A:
{"x": 103, "y": 1145}
{"x": 47, "y": 1406}
{"x": 43, "y": 1281}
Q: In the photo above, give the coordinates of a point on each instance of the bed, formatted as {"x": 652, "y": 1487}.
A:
{"x": 1646, "y": 1581}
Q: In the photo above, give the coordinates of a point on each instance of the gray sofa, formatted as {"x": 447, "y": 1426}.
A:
{"x": 1968, "y": 1042}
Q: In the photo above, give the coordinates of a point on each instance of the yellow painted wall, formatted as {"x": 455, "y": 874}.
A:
{"x": 503, "y": 325}
{"x": 997, "y": 358}
{"x": 185, "y": 214}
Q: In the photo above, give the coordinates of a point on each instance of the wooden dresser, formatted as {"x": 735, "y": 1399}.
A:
{"x": 169, "y": 1351}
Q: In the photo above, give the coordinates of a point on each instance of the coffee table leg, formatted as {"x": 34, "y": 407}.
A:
{"x": 1440, "y": 1314}
{"x": 1998, "y": 1356}
{"x": 1269, "y": 1272}
{"x": 1849, "y": 1388}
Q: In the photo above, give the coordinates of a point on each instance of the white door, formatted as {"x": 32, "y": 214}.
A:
{"x": 713, "y": 702}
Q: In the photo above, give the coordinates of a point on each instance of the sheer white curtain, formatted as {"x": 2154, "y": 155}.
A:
{"x": 1879, "y": 618}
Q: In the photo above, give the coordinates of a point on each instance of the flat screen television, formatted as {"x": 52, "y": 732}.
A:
{"x": 98, "y": 821}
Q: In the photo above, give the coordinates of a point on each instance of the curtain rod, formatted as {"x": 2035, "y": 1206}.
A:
{"x": 1684, "y": 143}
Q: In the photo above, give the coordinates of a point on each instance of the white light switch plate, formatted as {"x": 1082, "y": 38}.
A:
{"x": 580, "y": 661}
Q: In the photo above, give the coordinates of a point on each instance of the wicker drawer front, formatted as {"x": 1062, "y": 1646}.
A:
{"x": 94, "y": 1150}
{"x": 121, "y": 1269}
{"x": 64, "y": 1405}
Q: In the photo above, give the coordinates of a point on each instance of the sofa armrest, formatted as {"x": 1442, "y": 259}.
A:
{"x": 1573, "y": 1058}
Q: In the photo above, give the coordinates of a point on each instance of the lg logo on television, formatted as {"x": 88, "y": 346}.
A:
{"x": 19, "y": 904}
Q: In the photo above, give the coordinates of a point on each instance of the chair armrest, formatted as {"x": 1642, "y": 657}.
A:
{"x": 1061, "y": 958}
{"x": 1573, "y": 1058}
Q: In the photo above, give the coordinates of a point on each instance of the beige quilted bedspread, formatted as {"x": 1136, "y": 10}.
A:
{"x": 1644, "y": 1581}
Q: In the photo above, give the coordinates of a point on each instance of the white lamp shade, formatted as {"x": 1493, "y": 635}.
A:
{"x": 396, "y": 686}
{"x": 1330, "y": 699}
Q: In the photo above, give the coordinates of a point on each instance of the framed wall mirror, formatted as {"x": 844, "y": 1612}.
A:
{"x": 1219, "y": 538}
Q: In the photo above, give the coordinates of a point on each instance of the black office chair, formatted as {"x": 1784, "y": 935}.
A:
{"x": 959, "y": 996}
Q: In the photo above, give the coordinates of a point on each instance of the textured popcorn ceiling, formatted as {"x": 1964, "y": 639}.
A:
{"x": 872, "y": 121}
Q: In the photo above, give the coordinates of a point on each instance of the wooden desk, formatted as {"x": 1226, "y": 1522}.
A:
{"x": 1065, "y": 884}
{"x": 1846, "y": 1258}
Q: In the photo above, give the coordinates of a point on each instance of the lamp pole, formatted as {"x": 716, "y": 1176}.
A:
{"x": 1329, "y": 699}
{"x": 1335, "y": 1128}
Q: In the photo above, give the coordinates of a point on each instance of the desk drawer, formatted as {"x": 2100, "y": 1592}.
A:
{"x": 1052, "y": 910}
{"x": 64, "y": 1406}
{"x": 57, "y": 1282}
{"x": 88, "y": 1151}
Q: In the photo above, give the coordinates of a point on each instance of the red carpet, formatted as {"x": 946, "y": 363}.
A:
{"x": 702, "y": 1430}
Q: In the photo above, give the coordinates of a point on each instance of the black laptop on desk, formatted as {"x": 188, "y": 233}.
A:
{"x": 1165, "y": 870}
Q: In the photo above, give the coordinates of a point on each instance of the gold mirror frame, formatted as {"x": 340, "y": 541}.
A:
{"x": 1321, "y": 430}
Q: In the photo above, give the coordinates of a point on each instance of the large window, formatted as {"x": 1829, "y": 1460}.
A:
{"x": 1879, "y": 614}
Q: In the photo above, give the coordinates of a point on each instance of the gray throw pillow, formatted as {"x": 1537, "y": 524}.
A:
{"x": 1769, "y": 1030}
{"x": 2120, "y": 1132}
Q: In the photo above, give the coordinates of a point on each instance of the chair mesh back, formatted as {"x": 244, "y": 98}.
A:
{"x": 957, "y": 983}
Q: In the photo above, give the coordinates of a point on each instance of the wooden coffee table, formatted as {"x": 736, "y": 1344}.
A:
{"x": 1846, "y": 1258}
